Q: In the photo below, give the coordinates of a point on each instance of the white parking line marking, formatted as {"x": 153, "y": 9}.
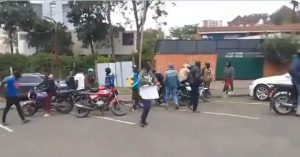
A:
{"x": 236, "y": 102}
{"x": 226, "y": 114}
{"x": 115, "y": 120}
{"x": 231, "y": 115}
{"x": 6, "y": 128}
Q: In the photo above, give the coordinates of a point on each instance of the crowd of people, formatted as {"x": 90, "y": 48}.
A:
{"x": 168, "y": 84}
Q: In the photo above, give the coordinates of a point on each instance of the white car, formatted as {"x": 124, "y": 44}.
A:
{"x": 260, "y": 90}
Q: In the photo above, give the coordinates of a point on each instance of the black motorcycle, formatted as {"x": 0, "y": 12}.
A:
{"x": 184, "y": 93}
{"x": 283, "y": 98}
{"x": 62, "y": 101}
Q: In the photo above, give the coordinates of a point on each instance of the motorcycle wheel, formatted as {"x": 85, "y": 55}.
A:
{"x": 65, "y": 106}
{"x": 81, "y": 112}
{"x": 277, "y": 106}
{"x": 29, "y": 109}
{"x": 118, "y": 109}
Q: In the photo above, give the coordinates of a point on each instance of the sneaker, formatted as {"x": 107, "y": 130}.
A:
{"x": 133, "y": 109}
{"x": 26, "y": 121}
{"x": 46, "y": 115}
{"x": 5, "y": 124}
{"x": 196, "y": 111}
{"x": 145, "y": 123}
{"x": 142, "y": 124}
{"x": 176, "y": 108}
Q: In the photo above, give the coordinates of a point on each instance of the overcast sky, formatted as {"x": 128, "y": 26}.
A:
{"x": 192, "y": 12}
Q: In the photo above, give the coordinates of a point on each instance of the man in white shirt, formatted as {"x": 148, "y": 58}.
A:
{"x": 79, "y": 80}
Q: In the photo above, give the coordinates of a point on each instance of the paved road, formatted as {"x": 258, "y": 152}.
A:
{"x": 229, "y": 127}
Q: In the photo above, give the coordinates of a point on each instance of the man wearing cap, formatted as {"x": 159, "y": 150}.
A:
{"x": 171, "y": 82}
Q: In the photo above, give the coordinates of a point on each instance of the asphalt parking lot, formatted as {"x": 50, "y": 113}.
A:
{"x": 225, "y": 127}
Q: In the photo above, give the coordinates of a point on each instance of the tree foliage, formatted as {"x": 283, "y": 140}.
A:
{"x": 44, "y": 33}
{"x": 89, "y": 21}
{"x": 149, "y": 42}
{"x": 186, "y": 32}
{"x": 138, "y": 10}
{"x": 280, "y": 49}
{"x": 16, "y": 15}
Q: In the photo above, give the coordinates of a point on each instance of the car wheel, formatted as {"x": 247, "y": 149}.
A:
{"x": 261, "y": 92}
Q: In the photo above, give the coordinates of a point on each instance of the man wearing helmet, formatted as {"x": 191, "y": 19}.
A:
{"x": 90, "y": 78}
{"x": 109, "y": 79}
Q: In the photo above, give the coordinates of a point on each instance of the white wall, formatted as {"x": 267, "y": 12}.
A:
{"x": 121, "y": 70}
{"x": 23, "y": 46}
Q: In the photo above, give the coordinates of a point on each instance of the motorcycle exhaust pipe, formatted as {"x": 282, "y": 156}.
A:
{"x": 286, "y": 104}
{"x": 82, "y": 106}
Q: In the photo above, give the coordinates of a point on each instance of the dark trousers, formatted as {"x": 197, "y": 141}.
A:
{"x": 194, "y": 97}
{"x": 48, "y": 102}
{"x": 9, "y": 102}
{"x": 146, "y": 110}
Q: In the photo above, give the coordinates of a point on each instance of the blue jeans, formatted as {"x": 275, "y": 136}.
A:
{"x": 146, "y": 110}
{"x": 171, "y": 92}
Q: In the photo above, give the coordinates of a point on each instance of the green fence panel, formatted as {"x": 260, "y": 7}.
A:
{"x": 245, "y": 68}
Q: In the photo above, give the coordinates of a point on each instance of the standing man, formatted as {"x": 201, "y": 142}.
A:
{"x": 146, "y": 78}
{"x": 183, "y": 73}
{"x": 70, "y": 81}
{"x": 135, "y": 87}
{"x": 79, "y": 81}
{"x": 90, "y": 78}
{"x": 109, "y": 79}
{"x": 207, "y": 74}
{"x": 295, "y": 73}
{"x": 194, "y": 81}
{"x": 50, "y": 89}
{"x": 11, "y": 95}
{"x": 229, "y": 73}
{"x": 171, "y": 83}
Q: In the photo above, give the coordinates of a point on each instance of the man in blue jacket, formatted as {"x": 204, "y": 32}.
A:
{"x": 295, "y": 73}
{"x": 109, "y": 79}
{"x": 171, "y": 83}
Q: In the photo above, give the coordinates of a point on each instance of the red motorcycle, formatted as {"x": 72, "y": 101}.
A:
{"x": 101, "y": 99}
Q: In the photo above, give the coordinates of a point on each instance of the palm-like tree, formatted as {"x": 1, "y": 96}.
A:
{"x": 295, "y": 6}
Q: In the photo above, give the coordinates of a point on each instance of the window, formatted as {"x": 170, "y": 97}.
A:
{"x": 30, "y": 79}
{"x": 127, "y": 39}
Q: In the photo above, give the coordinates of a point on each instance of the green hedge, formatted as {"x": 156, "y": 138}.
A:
{"x": 43, "y": 63}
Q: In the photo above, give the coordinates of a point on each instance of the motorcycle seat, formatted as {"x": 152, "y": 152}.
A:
{"x": 94, "y": 90}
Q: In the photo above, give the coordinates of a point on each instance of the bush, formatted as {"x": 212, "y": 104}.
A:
{"x": 280, "y": 50}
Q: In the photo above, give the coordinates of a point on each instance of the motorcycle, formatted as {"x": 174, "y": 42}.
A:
{"x": 101, "y": 99}
{"x": 184, "y": 94}
{"x": 62, "y": 101}
{"x": 283, "y": 98}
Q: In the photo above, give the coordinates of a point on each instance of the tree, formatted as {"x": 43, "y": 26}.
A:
{"x": 187, "y": 32}
{"x": 280, "y": 49}
{"x": 16, "y": 15}
{"x": 43, "y": 35}
{"x": 89, "y": 22}
{"x": 107, "y": 8}
{"x": 295, "y": 6}
{"x": 149, "y": 41}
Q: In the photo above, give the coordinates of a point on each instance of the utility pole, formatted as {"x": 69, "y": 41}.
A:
{"x": 142, "y": 34}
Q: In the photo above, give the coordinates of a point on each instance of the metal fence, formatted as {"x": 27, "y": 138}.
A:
{"x": 221, "y": 47}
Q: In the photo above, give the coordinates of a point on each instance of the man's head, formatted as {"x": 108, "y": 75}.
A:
{"x": 107, "y": 71}
{"x": 90, "y": 71}
{"x": 17, "y": 74}
{"x": 198, "y": 64}
{"x": 135, "y": 69}
{"x": 207, "y": 65}
{"x": 50, "y": 76}
{"x": 228, "y": 64}
{"x": 171, "y": 67}
{"x": 147, "y": 66}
